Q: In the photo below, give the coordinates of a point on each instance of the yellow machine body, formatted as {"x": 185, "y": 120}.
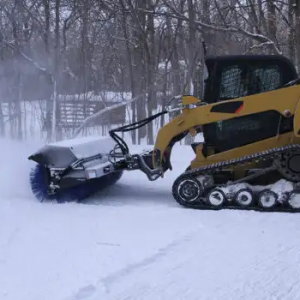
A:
{"x": 285, "y": 101}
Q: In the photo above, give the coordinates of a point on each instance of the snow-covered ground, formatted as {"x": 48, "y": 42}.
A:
{"x": 134, "y": 242}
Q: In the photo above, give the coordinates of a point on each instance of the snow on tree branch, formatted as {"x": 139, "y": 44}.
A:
{"x": 258, "y": 37}
{"x": 257, "y": 46}
{"x": 27, "y": 58}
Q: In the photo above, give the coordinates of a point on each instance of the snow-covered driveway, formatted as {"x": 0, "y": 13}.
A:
{"x": 135, "y": 242}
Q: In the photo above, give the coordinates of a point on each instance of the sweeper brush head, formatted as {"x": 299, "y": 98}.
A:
{"x": 39, "y": 185}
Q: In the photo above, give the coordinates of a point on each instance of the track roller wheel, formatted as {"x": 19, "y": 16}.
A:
{"x": 267, "y": 199}
{"x": 216, "y": 198}
{"x": 187, "y": 190}
{"x": 244, "y": 197}
{"x": 294, "y": 200}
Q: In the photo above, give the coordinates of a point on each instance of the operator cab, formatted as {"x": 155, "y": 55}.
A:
{"x": 230, "y": 77}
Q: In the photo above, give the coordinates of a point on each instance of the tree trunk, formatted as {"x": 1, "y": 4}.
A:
{"x": 151, "y": 55}
{"x": 46, "y": 36}
{"x": 17, "y": 92}
{"x": 191, "y": 57}
{"x": 272, "y": 27}
{"x": 56, "y": 131}
{"x": 130, "y": 66}
{"x": 297, "y": 30}
{"x": 291, "y": 36}
{"x": 139, "y": 75}
{"x": 175, "y": 67}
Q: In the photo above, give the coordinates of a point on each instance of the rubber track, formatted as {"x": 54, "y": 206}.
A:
{"x": 233, "y": 162}
{"x": 212, "y": 168}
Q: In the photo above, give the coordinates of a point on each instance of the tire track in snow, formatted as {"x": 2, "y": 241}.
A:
{"x": 221, "y": 278}
{"x": 230, "y": 259}
{"x": 108, "y": 281}
{"x": 104, "y": 284}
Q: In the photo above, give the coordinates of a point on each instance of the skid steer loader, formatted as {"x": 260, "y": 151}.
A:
{"x": 249, "y": 116}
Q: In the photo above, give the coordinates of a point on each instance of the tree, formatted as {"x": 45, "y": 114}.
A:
{"x": 51, "y": 50}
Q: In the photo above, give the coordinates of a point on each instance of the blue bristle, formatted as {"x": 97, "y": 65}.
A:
{"x": 80, "y": 192}
{"x": 38, "y": 183}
